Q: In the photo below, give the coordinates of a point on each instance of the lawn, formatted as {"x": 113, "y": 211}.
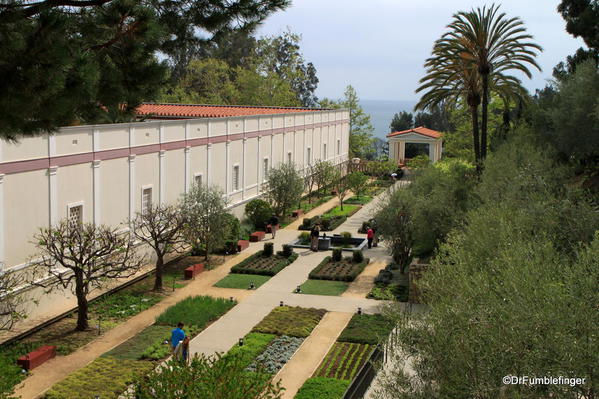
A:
{"x": 322, "y": 388}
{"x": 197, "y": 311}
{"x": 291, "y": 321}
{"x": 263, "y": 265}
{"x": 366, "y": 329}
{"x": 344, "y": 270}
{"x": 324, "y": 287}
{"x": 344, "y": 360}
{"x": 241, "y": 281}
{"x": 347, "y": 210}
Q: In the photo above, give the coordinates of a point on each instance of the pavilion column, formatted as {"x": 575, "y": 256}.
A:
{"x": 401, "y": 154}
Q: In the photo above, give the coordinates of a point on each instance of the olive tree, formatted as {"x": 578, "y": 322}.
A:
{"x": 160, "y": 226}
{"x": 357, "y": 182}
{"x": 323, "y": 174}
{"x": 206, "y": 218}
{"x": 83, "y": 257}
{"x": 341, "y": 184}
{"x": 284, "y": 188}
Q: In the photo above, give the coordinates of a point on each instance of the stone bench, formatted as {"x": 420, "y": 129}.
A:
{"x": 242, "y": 244}
{"x": 193, "y": 271}
{"x": 37, "y": 357}
{"x": 257, "y": 236}
{"x": 297, "y": 213}
{"x": 269, "y": 227}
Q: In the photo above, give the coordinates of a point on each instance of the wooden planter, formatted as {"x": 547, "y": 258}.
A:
{"x": 37, "y": 357}
{"x": 193, "y": 271}
{"x": 257, "y": 236}
{"x": 297, "y": 213}
{"x": 242, "y": 244}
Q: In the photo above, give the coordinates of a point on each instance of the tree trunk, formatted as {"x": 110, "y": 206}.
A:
{"x": 475, "y": 138}
{"x": 159, "y": 267}
{"x": 483, "y": 139}
{"x": 82, "y": 305}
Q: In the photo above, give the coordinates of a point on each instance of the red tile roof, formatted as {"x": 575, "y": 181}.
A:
{"x": 420, "y": 130}
{"x": 176, "y": 111}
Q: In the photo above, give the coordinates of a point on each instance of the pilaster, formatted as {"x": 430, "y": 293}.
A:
{"x": 96, "y": 178}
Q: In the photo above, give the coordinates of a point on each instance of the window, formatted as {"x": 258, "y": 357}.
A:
{"x": 289, "y": 157}
{"x": 146, "y": 199}
{"x": 324, "y": 151}
{"x": 309, "y": 155}
{"x": 338, "y": 147}
{"x": 198, "y": 179}
{"x": 236, "y": 178}
{"x": 75, "y": 215}
{"x": 265, "y": 169}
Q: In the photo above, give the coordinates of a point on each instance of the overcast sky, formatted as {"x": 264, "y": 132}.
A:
{"x": 379, "y": 46}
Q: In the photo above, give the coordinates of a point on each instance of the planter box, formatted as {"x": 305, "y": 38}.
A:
{"x": 242, "y": 244}
{"x": 257, "y": 236}
{"x": 269, "y": 228}
{"x": 297, "y": 213}
{"x": 193, "y": 271}
{"x": 37, "y": 357}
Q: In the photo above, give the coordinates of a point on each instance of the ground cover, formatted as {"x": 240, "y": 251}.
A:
{"x": 263, "y": 265}
{"x": 276, "y": 354}
{"x": 389, "y": 292}
{"x": 322, "y": 388}
{"x": 307, "y": 207}
{"x": 323, "y": 287}
{"x": 327, "y": 222}
{"x": 347, "y": 210}
{"x": 133, "y": 348}
{"x": 344, "y": 270}
{"x": 241, "y": 281}
{"x": 362, "y": 200}
{"x": 253, "y": 345}
{"x": 291, "y": 321}
{"x": 197, "y": 311}
{"x": 366, "y": 329}
{"x": 344, "y": 360}
{"x": 104, "y": 378}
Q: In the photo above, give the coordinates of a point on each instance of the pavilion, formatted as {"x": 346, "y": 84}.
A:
{"x": 410, "y": 143}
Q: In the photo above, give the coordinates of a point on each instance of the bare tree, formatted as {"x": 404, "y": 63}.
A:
{"x": 10, "y": 301}
{"x": 160, "y": 226}
{"x": 84, "y": 257}
{"x": 206, "y": 220}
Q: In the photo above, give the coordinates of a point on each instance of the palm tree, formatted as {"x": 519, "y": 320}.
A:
{"x": 494, "y": 44}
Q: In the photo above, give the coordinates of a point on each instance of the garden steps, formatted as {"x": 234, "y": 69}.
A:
{"x": 308, "y": 357}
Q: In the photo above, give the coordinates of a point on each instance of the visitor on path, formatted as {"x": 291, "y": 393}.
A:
{"x": 375, "y": 237}
{"x": 185, "y": 350}
{"x": 274, "y": 223}
{"x": 370, "y": 237}
{"x": 177, "y": 336}
{"x": 314, "y": 233}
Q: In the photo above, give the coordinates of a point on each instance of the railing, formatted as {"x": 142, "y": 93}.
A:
{"x": 364, "y": 377}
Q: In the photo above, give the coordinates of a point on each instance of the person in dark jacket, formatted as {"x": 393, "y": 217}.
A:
{"x": 274, "y": 224}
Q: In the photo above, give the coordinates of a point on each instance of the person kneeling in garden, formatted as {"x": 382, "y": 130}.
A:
{"x": 177, "y": 338}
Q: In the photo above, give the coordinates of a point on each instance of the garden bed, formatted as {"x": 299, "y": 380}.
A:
{"x": 389, "y": 292}
{"x": 362, "y": 200}
{"x": 323, "y": 287}
{"x": 344, "y": 360}
{"x": 322, "y": 388}
{"x": 263, "y": 265}
{"x": 276, "y": 354}
{"x": 366, "y": 329}
{"x": 331, "y": 219}
{"x": 242, "y": 281}
{"x": 343, "y": 270}
{"x": 291, "y": 321}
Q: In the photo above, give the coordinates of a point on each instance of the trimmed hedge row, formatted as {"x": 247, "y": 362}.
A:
{"x": 345, "y": 270}
{"x": 245, "y": 266}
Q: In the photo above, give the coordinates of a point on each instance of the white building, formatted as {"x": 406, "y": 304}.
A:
{"x": 106, "y": 173}
{"x": 407, "y": 144}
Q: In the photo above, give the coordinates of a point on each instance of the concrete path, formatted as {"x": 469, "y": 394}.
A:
{"x": 308, "y": 357}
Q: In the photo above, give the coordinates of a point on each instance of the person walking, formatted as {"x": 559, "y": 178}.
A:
{"x": 314, "y": 233}
{"x": 370, "y": 236}
{"x": 274, "y": 225}
{"x": 177, "y": 337}
{"x": 185, "y": 350}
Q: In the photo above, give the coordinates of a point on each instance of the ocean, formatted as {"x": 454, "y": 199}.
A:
{"x": 381, "y": 113}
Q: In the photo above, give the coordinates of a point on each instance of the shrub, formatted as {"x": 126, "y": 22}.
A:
{"x": 419, "y": 161}
{"x": 258, "y": 264}
{"x": 196, "y": 310}
{"x": 366, "y": 329}
{"x": 322, "y": 388}
{"x": 357, "y": 257}
{"x": 268, "y": 249}
{"x": 287, "y": 250}
{"x": 258, "y": 212}
{"x": 280, "y": 350}
{"x": 134, "y": 347}
{"x": 337, "y": 255}
{"x": 343, "y": 270}
{"x": 291, "y": 321}
{"x": 344, "y": 360}
{"x": 253, "y": 345}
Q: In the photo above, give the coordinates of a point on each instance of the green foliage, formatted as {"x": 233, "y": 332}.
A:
{"x": 10, "y": 373}
{"x": 241, "y": 281}
{"x": 262, "y": 265}
{"x": 323, "y": 175}
{"x": 324, "y": 287}
{"x": 419, "y": 161}
{"x": 401, "y": 121}
{"x": 322, "y": 388}
{"x": 362, "y": 200}
{"x": 337, "y": 255}
{"x": 327, "y": 222}
{"x": 304, "y": 237}
{"x": 106, "y": 377}
{"x": 389, "y": 292}
{"x": 207, "y": 377}
{"x": 347, "y": 210}
{"x": 343, "y": 361}
{"x": 258, "y": 212}
{"x": 357, "y": 182}
{"x": 343, "y": 270}
{"x": 196, "y": 310}
{"x": 357, "y": 257}
{"x": 581, "y": 17}
{"x": 134, "y": 347}
{"x": 291, "y": 321}
{"x": 160, "y": 349}
{"x": 253, "y": 345}
{"x": 366, "y": 329}
{"x": 284, "y": 188}
{"x": 287, "y": 250}
{"x": 268, "y": 249}
{"x": 122, "y": 305}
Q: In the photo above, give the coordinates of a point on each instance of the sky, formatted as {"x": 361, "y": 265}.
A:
{"x": 379, "y": 46}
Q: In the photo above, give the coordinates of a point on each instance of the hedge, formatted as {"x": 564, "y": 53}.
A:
{"x": 244, "y": 266}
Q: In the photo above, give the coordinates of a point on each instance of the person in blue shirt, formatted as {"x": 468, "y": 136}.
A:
{"x": 177, "y": 335}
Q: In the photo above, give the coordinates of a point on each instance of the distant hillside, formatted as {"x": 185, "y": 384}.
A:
{"x": 381, "y": 112}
